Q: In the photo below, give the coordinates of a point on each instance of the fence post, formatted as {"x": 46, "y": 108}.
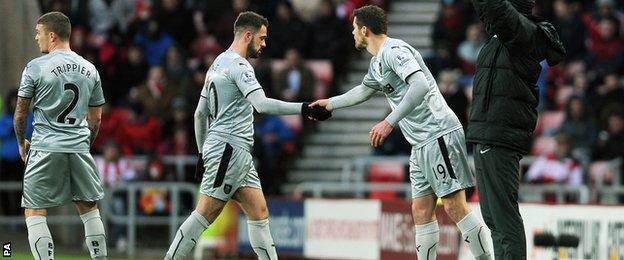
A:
{"x": 132, "y": 220}
{"x": 173, "y": 220}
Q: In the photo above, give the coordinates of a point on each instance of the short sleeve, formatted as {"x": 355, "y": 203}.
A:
{"x": 245, "y": 78}
{"x": 402, "y": 62}
{"x": 29, "y": 80}
{"x": 97, "y": 95}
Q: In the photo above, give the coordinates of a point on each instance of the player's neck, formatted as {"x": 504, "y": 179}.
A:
{"x": 239, "y": 47}
{"x": 375, "y": 42}
{"x": 61, "y": 46}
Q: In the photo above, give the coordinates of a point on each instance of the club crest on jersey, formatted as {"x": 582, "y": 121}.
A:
{"x": 248, "y": 77}
{"x": 227, "y": 188}
{"x": 402, "y": 59}
{"x": 388, "y": 88}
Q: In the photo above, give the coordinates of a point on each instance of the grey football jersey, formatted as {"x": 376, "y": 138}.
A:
{"x": 228, "y": 82}
{"x": 62, "y": 86}
{"x": 387, "y": 72}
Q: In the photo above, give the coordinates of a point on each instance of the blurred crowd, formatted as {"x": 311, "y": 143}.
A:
{"x": 580, "y": 133}
{"x": 152, "y": 56}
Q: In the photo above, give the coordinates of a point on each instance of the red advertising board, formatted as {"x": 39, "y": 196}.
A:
{"x": 397, "y": 232}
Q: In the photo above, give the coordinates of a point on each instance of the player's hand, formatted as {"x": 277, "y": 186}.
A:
{"x": 315, "y": 112}
{"x": 199, "y": 168}
{"x": 379, "y": 132}
{"x": 322, "y": 103}
{"x": 23, "y": 149}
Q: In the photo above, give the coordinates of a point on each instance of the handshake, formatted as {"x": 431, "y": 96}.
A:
{"x": 317, "y": 111}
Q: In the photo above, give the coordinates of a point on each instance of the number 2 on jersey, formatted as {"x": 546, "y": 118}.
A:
{"x": 62, "y": 117}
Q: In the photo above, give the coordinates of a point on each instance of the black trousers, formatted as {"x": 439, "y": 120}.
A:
{"x": 497, "y": 170}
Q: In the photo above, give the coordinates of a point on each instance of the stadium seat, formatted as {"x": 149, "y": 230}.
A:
{"x": 549, "y": 122}
{"x": 385, "y": 172}
{"x": 543, "y": 145}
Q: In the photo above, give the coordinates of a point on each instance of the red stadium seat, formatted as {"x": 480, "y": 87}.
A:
{"x": 385, "y": 172}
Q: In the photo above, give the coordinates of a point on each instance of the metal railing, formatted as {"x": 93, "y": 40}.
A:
{"x": 353, "y": 182}
{"x": 356, "y": 170}
{"x": 132, "y": 219}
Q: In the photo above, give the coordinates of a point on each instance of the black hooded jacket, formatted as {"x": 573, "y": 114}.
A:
{"x": 505, "y": 96}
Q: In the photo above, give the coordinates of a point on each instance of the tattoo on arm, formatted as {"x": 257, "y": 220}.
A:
{"x": 19, "y": 118}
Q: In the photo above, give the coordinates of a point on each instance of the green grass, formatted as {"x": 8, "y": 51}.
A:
{"x": 28, "y": 256}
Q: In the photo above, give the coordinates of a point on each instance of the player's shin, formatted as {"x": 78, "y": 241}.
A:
{"x": 474, "y": 234}
{"x": 187, "y": 236}
{"x": 427, "y": 238}
{"x": 95, "y": 237}
{"x": 39, "y": 237}
{"x": 261, "y": 240}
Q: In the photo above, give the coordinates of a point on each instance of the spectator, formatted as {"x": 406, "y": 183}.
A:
{"x": 277, "y": 141}
{"x": 609, "y": 97}
{"x": 330, "y": 37}
{"x": 570, "y": 28}
{"x": 112, "y": 119}
{"x": 580, "y": 129}
{"x": 264, "y": 75}
{"x": 468, "y": 50}
{"x": 454, "y": 94}
{"x": 155, "y": 93}
{"x": 611, "y": 139}
{"x": 176, "y": 21}
{"x": 604, "y": 8}
{"x": 442, "y": 59}
{"x": 558, "y": 167}
{"x": 223, "y": 28}
{"x": 179, "y": 138}
{"x": 449, "y": 28}
{"x": 140, "y": 134}
{"x": 176, "y": 71}
{"x": 115, "y": 171}
{"x": 606, "y": 48}
{"x": 296, "y": 82}
{"x": 154, "y": 43}
{"x": 106, "y": 14}
{"x": 10, "y": 162}
{"x": 131, "y": 72}
{"x": 282, "y": 31}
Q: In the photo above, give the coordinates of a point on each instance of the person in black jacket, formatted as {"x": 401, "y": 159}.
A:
{"x": 503, "y": 114}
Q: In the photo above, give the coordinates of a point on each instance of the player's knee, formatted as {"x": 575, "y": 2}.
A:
{"x": 456, "y": 209}
{"x": 209, "y": 212}
{"x": 422, "y": 214}
{"x": 35, "y": 212}
{"x": 258, "y": 213}
{"x": 85, "y": 206}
